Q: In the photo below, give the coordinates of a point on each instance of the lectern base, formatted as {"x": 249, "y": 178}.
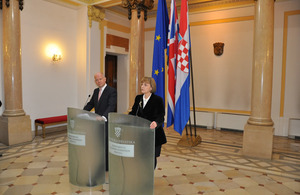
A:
{"x": 188, "y": 140}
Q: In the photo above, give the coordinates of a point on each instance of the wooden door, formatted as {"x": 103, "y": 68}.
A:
{"x": 111, "y": 71}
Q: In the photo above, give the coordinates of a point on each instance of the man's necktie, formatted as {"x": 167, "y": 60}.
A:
{"x": 99, "y": 95}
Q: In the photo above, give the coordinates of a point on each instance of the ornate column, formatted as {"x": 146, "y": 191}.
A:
{"x": 137, "y": 13}
{"x": 15, "y": 124}
{"x": 258, "y": 133}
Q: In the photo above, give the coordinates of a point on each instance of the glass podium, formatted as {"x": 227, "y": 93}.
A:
{"x": 86, "y": 137}
{"x": 131, "y": 155}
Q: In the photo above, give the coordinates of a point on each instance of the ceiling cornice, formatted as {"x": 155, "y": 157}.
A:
{"x": 195, "y": 6}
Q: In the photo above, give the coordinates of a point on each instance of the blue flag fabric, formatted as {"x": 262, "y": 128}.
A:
{"x": 160, "y": 44}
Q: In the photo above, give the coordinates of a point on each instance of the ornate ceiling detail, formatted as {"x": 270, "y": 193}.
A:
{"x": 95, "y": 14}
{"x": 150, "y": 6}
{"x": 21, "y": 3}
{"x": 92, "y": 2}
{"x": 139, "y": 5}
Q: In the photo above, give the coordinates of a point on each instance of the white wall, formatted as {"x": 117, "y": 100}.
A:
{"x": 48, "y": 88}
{"x": 82, "y": 65}
{"x": 224, "y": 82}
{"x": 93, "y": 55}
{"x": 292, "y": 90}
{"x": 220, "y": 82}
{"x": 123, "y": 83}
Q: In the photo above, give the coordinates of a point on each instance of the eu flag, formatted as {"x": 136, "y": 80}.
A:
{"x": 160, "y": 44}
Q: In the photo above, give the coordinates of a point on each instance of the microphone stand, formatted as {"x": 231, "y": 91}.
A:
{"x": 87, "y": 100}
{"x": 140, "y": 105}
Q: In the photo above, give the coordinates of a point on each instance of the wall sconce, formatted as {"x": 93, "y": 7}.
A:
{"x": 54, "y": 52}
{"x": 56, "y": 57}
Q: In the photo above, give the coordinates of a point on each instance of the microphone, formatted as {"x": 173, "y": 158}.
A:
{"x": 140, "y": 105}
{"x": 87, "y": 99}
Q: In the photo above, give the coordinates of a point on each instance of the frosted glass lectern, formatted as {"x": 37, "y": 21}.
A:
{"x": 131, "y": 155}
{"x": 86, "y": 137}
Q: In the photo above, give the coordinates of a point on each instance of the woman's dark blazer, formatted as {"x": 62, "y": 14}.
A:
{"x": 153, "y": 111}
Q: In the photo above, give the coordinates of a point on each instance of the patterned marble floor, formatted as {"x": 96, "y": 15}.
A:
{"x": 215, "y": 166}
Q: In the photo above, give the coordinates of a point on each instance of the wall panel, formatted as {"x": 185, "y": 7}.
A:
{"x": 223, "y": 82}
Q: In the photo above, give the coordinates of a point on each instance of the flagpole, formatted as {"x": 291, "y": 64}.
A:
{"x": 193, "y": 94}
{"x": 191, "y": 132}
{"x": 181, "y": 74}
{"x": 197, "y": 139}
{"x": 186, "y": 131}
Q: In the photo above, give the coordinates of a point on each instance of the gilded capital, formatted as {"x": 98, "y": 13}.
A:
{"x": 7, "y": 3}
{"x": 139, "y": 5}
{"x": 95, "y": 14}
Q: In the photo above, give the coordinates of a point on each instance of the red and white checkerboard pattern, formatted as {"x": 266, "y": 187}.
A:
{"x": 183, "y": 56}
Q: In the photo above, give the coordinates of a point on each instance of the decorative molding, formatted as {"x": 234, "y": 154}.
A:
{"x": 284, "y": 54}
{"x": 90, "y": 2}
{"x": 219, "y": 21}
{"x": 196, "y": 6}
{"x": 118, "y": 27}
{"x": 244, "y": 112}
{"x": 95, "y": 14}
{"x": 110, "y": 3}
{"x": 113, "y": 40}
{"x": 237, "y": 19}
{"x": 199, "y": 6}
{"x": 149, "y": 29}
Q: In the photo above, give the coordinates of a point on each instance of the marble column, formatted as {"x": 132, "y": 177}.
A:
{"x": 137, "y": 13}
{"x": 15, "y": 124}
{"x": 258, "y": 132}
{"x": 137, "y": 39}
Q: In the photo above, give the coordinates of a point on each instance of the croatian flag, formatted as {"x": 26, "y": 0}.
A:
{"x": 160, "y": 44}
{"x": 172, "y": 48}
{"x": 182, "y": 93}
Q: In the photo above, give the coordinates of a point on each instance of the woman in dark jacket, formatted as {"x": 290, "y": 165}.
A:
{"x": 151, "y": 107}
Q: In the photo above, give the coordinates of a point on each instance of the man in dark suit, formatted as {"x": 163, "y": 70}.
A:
{"x": 104, "y": 100}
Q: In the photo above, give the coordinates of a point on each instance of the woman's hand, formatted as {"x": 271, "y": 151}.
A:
{"x": 153, "y": 125}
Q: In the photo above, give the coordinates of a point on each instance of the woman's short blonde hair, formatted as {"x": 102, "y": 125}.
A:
{"x": 150, "y": 81}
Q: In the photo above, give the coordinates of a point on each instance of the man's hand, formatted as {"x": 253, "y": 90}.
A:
{"x": 101, "y": 118}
